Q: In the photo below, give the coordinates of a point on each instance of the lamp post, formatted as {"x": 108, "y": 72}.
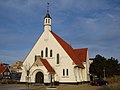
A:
{"x": 27, "y": 76}
{"x": 104, "y": 73}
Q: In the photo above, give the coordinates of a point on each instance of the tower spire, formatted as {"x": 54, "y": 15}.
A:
{"x": 47, "y": 20}
{"x": 47, "y": 13}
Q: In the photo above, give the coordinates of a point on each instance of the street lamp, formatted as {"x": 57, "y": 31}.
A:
{"x": 27, "y": 77}
{"x": 104, "y": 73}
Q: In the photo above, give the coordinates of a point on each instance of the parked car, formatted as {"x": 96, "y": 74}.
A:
{"x": 99, "y": 82}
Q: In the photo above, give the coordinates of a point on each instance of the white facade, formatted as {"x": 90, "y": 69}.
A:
{"x": 66, "y": 71}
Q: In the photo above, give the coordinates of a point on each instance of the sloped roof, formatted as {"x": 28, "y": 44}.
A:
{"x": 2, "y": 68}
{"x": 69, "y": 50}
{"x": 47, "y": 65}
{"x": 81, "y": 54}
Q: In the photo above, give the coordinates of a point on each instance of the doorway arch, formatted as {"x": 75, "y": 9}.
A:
{"x": 39, "y": 78}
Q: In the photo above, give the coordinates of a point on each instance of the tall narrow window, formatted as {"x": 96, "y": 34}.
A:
{"x": 50, "y": 53}
{"x": 58, "y": 58}
{"x": 63, "y": 72}
{"x": 42, "y": 53}
{"x": 46, "y": 52}
{"x": 67, "y": 72}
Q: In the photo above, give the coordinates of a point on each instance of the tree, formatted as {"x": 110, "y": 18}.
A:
{"x": 98, "y": 65}
{"x": 112, "y": 67}
{"x": 105, "y": 67}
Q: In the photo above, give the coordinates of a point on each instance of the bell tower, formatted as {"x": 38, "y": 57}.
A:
{"x": 47, "y": 20}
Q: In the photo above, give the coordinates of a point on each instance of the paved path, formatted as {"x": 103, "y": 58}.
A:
{"x": 12, "y": 87}
{"x": 61, "y": 87}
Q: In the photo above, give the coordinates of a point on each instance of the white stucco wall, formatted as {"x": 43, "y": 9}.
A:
{"x": 47, "y": 40}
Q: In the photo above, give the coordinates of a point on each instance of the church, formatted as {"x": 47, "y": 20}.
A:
{"x": 52, "y": 59}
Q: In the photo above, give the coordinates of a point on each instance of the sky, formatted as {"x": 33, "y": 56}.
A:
{"x": 92, "y": 24}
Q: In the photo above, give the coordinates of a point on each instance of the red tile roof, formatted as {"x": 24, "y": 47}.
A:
{"x": 2, "y": 68}
{"x": 69, "y": 50}
{"x": 81, "y": 54}
{"x": 47, "y": 65}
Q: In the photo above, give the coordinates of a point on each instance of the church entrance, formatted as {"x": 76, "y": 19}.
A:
{"x": 39, "y": 78}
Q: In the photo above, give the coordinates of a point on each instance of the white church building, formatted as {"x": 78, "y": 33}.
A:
{"x": 53, "y": 59}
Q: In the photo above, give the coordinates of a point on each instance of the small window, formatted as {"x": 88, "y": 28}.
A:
{"x": 67, "y": 72}
{"x": 46, "y": 52}
{"x": 35, "y": 58}
{"x": 6, "y": 73}
{"x": 46, "y": 20}
{"x": 42, "y": 53}
{"x": 58, "y": 58}
{"x": 63, "y": 72}
{"x": 50, "y": 53}
{"x": 28, "y": 72}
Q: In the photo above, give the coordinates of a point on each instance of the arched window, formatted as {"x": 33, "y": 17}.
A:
{"x": 50, "y": 53}
{"x": 46, "y": 52}
{"x": 58, "y": 58}
{"x": 42, "y": 53}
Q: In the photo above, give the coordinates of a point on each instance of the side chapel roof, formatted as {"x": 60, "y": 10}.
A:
{"x": 47, "y": 65}
{"x": 81, "y": 54}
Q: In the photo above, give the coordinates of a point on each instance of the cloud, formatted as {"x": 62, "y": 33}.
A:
{"x": 11, "y": 56}
{"x": 82, "y": 23}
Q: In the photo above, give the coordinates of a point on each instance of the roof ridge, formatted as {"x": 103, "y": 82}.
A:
{"x": 79, "y": 48}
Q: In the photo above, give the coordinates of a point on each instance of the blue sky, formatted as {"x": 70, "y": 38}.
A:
{"x": 94, "y": 24}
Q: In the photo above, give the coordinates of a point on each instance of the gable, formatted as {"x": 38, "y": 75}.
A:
{"x": 81, "y": 54}
{"x": 30, "y": 58}
{"x": 45, "y": 41}
{"x": 69, "y": 50}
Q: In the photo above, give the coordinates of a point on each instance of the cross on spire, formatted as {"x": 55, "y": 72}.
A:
{"x": 47, "y": 13}
{"x": 48, "y": 7}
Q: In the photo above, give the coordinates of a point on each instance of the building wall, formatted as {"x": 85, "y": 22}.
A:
{"x": 47, "y": 40}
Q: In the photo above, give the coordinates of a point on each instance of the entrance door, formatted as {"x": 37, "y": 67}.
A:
{"x": 39, "y": 77}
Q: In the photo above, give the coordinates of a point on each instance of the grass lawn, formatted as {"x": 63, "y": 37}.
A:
{"x": 75, "y": 87}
